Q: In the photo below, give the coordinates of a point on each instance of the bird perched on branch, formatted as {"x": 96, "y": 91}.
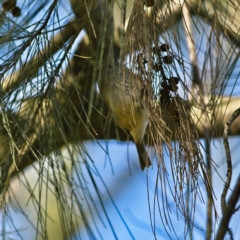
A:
{"x": 123, "y": 92}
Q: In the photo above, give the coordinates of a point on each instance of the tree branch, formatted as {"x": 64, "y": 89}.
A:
{"x": 228, "y": 211}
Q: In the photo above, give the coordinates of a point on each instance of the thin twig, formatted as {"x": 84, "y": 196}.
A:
{"x": 228, "y": 124}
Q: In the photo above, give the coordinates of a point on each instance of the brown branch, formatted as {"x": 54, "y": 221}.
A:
{"x": 228, "y": 211}
{"x": 228, "y": 124}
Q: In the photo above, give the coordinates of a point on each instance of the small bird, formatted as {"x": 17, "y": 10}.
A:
{"x": 122, "y": 90}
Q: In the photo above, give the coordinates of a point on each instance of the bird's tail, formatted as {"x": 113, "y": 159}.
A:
{"x": 143, "y": 156}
